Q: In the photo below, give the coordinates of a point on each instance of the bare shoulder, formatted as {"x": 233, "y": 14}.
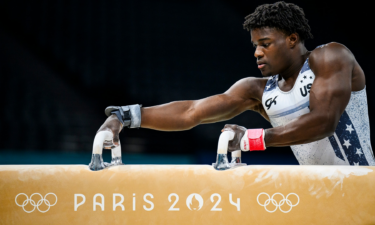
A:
{"x": 331, "y": 50}
{"x": 248, "y": 88}
{"x": 256, "y": 82}
{"x": 331, "y": 56}
{"x": 253, "y": 86}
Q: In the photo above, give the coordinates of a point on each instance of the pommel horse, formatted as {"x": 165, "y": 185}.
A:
{"x": 224, "y": 193}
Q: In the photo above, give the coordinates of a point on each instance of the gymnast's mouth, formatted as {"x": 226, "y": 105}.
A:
{"x": 261, "y": 64}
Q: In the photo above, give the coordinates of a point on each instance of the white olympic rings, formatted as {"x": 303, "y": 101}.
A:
{"x": 276, "y": 204}
{"x": 32, "y": 202}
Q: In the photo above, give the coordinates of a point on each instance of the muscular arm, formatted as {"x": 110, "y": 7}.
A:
{"x": 184, "y": 115}
{"x": 329, "y": 96}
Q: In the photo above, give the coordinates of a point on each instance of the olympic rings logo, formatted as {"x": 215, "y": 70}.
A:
{"x": 278, "y": 204}
{"x": 32, "y": 202}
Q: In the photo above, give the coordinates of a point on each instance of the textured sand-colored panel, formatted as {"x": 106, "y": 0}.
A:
{"x": 187, "y": 194}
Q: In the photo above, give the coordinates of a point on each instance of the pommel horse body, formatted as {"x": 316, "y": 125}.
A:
{"x": 225, "y": 193}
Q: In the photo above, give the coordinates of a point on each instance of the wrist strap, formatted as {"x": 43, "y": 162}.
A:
{"x": 129, "y": 115}
{"x": 253, "y": 140}
{"x": 124, "y": 120}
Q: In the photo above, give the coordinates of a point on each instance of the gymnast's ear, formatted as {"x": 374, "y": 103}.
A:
{"x": 293, "y": 40}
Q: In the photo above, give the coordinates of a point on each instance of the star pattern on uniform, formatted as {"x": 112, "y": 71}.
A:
{"x": 301, "y": 81}
{"x": 347, "y": 143}
{"x": 359, "y": 151}
{"x": 349, "y": 128}
{"x": 304, "y": 77}
{"x": 350, "y": 142}
{"x": 268, "y": 87}
{"x": 310, "y": 77}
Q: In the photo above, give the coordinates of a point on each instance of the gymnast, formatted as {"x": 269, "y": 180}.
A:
{"x": 315, "y": 100}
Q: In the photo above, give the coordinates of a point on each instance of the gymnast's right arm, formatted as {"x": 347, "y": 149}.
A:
{"x": 184, "y": 115}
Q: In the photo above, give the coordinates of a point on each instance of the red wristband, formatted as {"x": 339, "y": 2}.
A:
{"x": 253, "y": 140}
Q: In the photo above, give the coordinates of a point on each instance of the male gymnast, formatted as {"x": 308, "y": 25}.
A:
{"x": 315, "y": 100}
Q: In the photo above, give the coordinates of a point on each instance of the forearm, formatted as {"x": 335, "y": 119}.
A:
{"x": 305, "y": 129}
{"x": 184, "y": 115}
{"x": 172, "y": 116}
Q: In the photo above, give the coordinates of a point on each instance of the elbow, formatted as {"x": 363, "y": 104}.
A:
{"x": 328, "y": 128}
{"x": 190, "y": 119}
{"x": 329, "y": 132}
{"x": 319, "y": 132}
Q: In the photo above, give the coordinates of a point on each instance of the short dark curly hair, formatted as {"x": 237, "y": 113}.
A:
{"x": 286, "y": 17}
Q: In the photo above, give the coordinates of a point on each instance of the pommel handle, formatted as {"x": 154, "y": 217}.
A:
{"x": 224, "y": 138}
{"x": 222, "y": 150}
{"x": 100, "y": 137}
{"x": 97, "y": 152}
{"x": 236, "y": 154}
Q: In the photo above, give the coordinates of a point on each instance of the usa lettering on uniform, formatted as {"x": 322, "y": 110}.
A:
{"x": 305, "y": 90}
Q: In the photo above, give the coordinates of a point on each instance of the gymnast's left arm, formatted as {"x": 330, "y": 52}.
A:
{"x": 329, "y": 95}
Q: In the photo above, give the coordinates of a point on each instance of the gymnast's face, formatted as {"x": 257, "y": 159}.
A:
{"x": 272, "y": 50}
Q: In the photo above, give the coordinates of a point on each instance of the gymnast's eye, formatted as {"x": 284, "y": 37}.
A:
{"x": 266, "y": 45}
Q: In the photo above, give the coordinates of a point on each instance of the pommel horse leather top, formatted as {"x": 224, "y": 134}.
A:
{"x": 187, "y": 194}
{"x": 225, "y": 193}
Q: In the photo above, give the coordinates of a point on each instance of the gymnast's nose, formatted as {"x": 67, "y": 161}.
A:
{"x": 258, "y": 53}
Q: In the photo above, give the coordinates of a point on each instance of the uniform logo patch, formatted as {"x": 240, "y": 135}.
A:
{"x": 270, "y": 101}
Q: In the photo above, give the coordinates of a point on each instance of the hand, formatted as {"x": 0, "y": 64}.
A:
{"x": 239, "y": 132}
{"x": 115, "y": 126}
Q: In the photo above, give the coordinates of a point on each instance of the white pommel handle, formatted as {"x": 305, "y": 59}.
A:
{"x": 100, "y": 137}
{"x": 224, "y": 138}
{"x": 236, "y": 153}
